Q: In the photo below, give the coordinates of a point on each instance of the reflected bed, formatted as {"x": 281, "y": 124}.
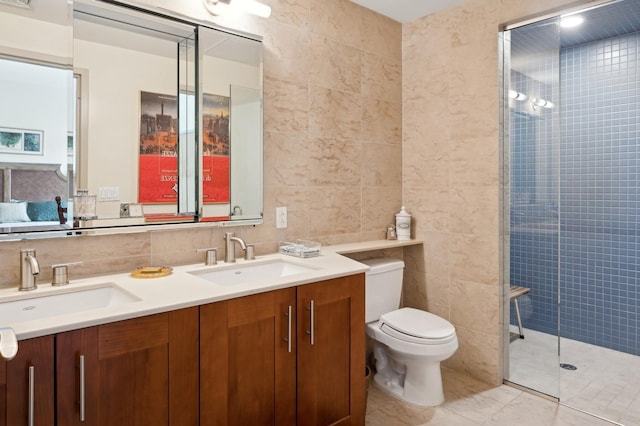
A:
{"x": 33, "y": 198}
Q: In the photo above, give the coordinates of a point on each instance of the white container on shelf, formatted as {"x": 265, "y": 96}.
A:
{"x": 403, "y": 224}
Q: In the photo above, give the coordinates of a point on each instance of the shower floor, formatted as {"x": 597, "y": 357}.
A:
{"x": 606, "y": 383}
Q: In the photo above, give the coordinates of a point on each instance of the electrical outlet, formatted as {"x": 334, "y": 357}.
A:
{"x": 281, "y": 217}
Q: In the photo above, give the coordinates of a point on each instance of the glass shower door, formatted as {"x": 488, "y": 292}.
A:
{"x": 573, "y": 191}
{"x": 532, "y": 149}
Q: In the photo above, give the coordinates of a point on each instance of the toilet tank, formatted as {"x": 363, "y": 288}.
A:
{"x": 383, "y": 287}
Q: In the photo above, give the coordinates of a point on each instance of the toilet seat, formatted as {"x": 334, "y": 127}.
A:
{"x": 418, "y": 327}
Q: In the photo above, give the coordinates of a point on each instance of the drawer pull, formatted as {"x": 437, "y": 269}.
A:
{"x": 82, "y": 389}
{"x": 289, "y": 328}
{"x": 311, "y": 322}
{"x": 32, "y": 391}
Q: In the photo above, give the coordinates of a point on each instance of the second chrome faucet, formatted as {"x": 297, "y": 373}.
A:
{"x": 29, "y": 269}
{"x": 230, "y": 253}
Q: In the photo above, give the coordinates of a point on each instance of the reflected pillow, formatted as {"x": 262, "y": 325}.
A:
{"x": 14, "y": 212}
{"x": 42, "y": 211}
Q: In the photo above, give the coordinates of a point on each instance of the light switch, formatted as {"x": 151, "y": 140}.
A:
{"x": 109, "y": 193}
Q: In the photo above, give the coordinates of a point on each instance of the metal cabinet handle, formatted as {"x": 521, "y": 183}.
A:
{"x": 32, "y": 400}
{"x": 82, "y": 389}
{"x": 311, "y": 322}
{"x": 289, "y": 328}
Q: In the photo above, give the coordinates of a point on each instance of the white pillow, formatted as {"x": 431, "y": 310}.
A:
{"x": 14, "y": 212}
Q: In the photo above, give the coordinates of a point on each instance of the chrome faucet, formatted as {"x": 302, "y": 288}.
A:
{"x": 29, "y": 268}
{"x": 230, "y": 254}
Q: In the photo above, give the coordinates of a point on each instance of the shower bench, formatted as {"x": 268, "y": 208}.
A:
{"x": 514, "y": 293}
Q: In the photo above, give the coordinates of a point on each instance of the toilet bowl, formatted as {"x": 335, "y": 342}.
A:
{"x": 409, "y": 343}
{"x": 407, "y": 363}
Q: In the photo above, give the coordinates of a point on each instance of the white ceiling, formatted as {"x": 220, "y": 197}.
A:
{"x": 406, "y": 10}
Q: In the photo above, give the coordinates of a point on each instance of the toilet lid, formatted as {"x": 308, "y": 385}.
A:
{"x": 417, "y": 325}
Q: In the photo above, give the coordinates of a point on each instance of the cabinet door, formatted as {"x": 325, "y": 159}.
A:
{"x": 142, "y": 371}
{"x": 29, "y": 383}
{"x": 247, "y": 360}
{"x": 331, "y": 352}
{"x": 78, "y": 379}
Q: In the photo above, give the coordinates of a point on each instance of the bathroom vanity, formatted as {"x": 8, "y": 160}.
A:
{"x": 252, "y": 347}
{"x": 186, "y": 350}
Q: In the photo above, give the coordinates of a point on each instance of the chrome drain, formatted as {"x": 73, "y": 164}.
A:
{"x": 568, "y": 367}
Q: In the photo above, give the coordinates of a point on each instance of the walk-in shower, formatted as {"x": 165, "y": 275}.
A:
{"x": 572, "y": 187}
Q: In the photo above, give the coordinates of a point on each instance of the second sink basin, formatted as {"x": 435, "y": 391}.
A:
{"x": 252, "y": 272}
{"x": 36, "y": 307}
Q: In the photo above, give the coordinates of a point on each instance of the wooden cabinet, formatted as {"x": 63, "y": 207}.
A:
{"x": 78, "y": 383}
{"x": 136, "y": 372}
{"x": 248, "y": 366}
{"x": 260, "y": 367}
{"x": 27, "y": 384}
{"x": 331, "y": 352}
{"x": 142, "y": 371}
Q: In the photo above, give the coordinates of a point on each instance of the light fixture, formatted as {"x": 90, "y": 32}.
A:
{"x": 518, "y": 96}
{"x": 539, "y": 102}
{"x": 254, "y": 7}
{"x": 571, "y": 21}
{"x": 216, "y": 7}
{"x": 220, "y": 7}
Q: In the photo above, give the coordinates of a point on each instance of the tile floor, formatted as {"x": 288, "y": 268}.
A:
{"x": 469, "y": 402}
{"x": 606, "y": 382}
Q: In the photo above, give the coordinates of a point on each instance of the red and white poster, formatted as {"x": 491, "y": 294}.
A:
{"x": 215, "y": 148}
{"x": 158, "y": 173}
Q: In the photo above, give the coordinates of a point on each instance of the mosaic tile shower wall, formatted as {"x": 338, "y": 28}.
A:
{"x": 587, "y": 240}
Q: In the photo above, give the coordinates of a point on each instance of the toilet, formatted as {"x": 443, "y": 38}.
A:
{"x": 409, "y": 343}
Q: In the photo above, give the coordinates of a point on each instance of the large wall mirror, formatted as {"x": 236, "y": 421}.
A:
{"x": 231, "y": 100}
{"x": 133, "y": 119}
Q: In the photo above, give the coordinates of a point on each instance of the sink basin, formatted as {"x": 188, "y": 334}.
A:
{"x": 249, "y": 272}
{"x": 35, "y": 307}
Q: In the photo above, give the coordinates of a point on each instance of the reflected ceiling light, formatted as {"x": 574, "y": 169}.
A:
{"x": 518, "y": 96}
{"x": 539, "y": 102}
{"x": 19, "y": 3}
{"x": 571, "y": 21}
{"x": 220, "y": 7}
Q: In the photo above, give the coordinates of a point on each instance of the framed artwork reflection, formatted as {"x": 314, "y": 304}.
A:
{"x": 21, "y": 141}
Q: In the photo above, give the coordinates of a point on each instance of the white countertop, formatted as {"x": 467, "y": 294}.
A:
{"x": 181, "y": 289}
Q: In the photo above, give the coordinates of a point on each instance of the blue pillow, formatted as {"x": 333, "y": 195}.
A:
{"x": 42, "y": 211}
